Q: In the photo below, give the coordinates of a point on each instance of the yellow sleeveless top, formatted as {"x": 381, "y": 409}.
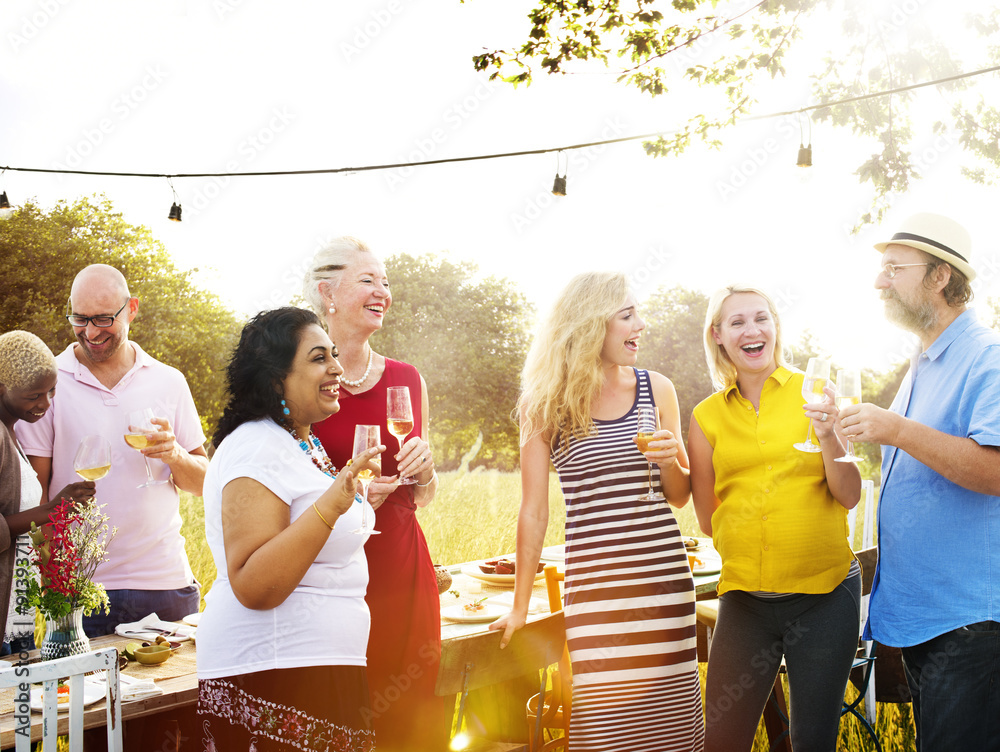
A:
{"x": 778, "y": 528}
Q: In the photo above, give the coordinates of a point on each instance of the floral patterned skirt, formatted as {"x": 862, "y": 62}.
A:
{"x": 314, "y": 708}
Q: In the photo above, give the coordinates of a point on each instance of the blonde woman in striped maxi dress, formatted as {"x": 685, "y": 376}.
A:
{"x": 629, "y": 595}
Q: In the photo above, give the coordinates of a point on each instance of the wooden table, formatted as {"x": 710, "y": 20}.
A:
{"x": 501, "y": 707}
{"x": 178, "y": 676}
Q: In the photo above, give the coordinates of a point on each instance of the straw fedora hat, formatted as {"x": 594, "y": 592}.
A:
{"x": 939, "y": 236}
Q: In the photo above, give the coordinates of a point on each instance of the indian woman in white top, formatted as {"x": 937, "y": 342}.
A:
{"x": 281, "y": 645}
{"x": 629, "y": 596}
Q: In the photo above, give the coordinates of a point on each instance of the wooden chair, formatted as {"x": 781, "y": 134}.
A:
{"x": 475, "y": 661}
{"x": 49, "y": 673}
{"x": 558, "y": 701}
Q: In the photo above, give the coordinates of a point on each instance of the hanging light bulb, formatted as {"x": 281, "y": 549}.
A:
{"x": 4, "y": 203}
{"x": 805, "y": 152}
{"x": 175, "y": 208}
{"x": 559, "y": 184}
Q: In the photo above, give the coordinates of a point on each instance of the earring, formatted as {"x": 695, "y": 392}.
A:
{"x": 333, "y": 309}
{"x": 284, "y": 408}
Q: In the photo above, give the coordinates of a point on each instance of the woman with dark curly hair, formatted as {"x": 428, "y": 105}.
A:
{"x": 281, "y": 646}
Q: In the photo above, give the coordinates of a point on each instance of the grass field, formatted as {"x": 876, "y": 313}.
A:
{"x": 474, "y": 516}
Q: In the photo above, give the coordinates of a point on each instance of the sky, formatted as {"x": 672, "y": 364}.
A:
{"x": 240, "y": 85}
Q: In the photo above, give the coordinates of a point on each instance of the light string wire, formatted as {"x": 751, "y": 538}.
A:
{"x": 502, "y": 155}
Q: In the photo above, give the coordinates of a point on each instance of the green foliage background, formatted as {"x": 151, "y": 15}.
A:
{"x": 178, "y": 323}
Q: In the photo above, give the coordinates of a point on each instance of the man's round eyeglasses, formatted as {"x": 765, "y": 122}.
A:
{"x": 102, "y": 322}
{"x": 890, "y": 269}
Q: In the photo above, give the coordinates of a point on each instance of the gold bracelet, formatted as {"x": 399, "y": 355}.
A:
{"x": 316, "y": 509}
{"x": 434, "y": 475}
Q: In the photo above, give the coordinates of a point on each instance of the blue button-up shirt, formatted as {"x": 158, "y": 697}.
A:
{"x": 939, "y": 543}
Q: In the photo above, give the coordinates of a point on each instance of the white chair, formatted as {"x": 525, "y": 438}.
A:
{"x": 48, "y": 673}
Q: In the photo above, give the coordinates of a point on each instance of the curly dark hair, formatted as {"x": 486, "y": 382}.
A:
{"x": 260, "y": 362}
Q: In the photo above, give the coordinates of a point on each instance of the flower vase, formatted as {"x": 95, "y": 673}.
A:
{"x": 64, "y": 636}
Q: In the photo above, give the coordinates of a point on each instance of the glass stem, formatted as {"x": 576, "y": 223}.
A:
{"x": 649, "y": 472}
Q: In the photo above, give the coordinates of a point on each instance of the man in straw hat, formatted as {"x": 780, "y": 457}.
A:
{"x": 936, "y": 592}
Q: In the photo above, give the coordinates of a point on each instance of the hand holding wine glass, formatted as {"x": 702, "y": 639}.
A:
{"x": 93, "y": 458}
{"x": 648, "y": 424}
{"x": 848, "y": 393}
{"x": 140, "y": 427}
{"x": 399, "y": 414}
{"x": 817, "y": 377}
{"x": 366, "y": 437}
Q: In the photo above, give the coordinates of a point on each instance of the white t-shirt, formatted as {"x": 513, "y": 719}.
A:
{"x": 325, "y": 620}
{"x": 19, "y": 625}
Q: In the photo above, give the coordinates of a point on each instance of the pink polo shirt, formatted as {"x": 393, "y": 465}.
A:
{"x": 148, "y": 551}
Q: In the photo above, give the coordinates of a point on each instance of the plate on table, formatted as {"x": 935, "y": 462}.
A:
{"x": 490, "y": 612}
{"x": 706, "y": 565}
{"x": 473, "y": 570}
{"x": 192, "y": 619}
{"x": 94, "y": 690}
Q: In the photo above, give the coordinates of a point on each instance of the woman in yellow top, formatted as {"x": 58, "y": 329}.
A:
{"x": 790, "y": 586}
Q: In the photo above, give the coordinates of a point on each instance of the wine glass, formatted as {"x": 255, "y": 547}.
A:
{"x": 648, "y": 423}
{"x": 365, "y": 437}
{"x": 137, "y": 432}
{"x": 400, "y": 417}
{"x": 848, "y": 393}
{"x": 93, "y": 457}
{"x": 817, "y": 376}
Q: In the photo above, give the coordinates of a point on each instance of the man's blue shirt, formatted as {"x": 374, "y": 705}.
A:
{"x": 939, "y": 543}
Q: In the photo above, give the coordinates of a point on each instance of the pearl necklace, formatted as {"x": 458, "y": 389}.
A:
{"x": 323, "y": 461}
{"x": 358, "y": 382}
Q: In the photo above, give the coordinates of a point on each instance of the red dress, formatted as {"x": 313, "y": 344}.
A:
{"x": 404, "y": 647}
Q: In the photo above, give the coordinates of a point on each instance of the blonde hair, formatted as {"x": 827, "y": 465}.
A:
{"x": 719, "y": 365}
{"x": 24, "y": 359}
{"x": 562, "y": 374}
{"x": 326, "y": 266}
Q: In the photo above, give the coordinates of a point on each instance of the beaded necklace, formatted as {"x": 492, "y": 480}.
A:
{"x": 322, "y": 461}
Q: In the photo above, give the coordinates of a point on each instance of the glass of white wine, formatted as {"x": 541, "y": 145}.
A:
{"x": 93, "y": 457}
{"x": 399, "y": 414}
{"x": 648, "y": 423}
{"x": 817, "y": 376}
{"x": 365, "y": 437}
{"x": 140, "y": 426}
{"x": 848, "y": 393}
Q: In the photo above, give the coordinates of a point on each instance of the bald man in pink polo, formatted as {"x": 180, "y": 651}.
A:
{"x": 102, "y": 377}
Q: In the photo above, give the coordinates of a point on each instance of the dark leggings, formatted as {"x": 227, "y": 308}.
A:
{"x": 818, "y": 637}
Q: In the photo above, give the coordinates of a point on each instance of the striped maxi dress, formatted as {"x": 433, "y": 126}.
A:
{"x": 630, "y": 618}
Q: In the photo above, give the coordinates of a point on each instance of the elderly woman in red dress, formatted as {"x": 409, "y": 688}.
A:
{"x": 347, "y": 286}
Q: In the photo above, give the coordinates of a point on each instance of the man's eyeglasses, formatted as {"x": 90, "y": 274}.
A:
{"x": 103, "y": 321}
{"x": 890, "y": 269}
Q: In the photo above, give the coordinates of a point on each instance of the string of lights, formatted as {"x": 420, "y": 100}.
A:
{"x": 175, "y": 215}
